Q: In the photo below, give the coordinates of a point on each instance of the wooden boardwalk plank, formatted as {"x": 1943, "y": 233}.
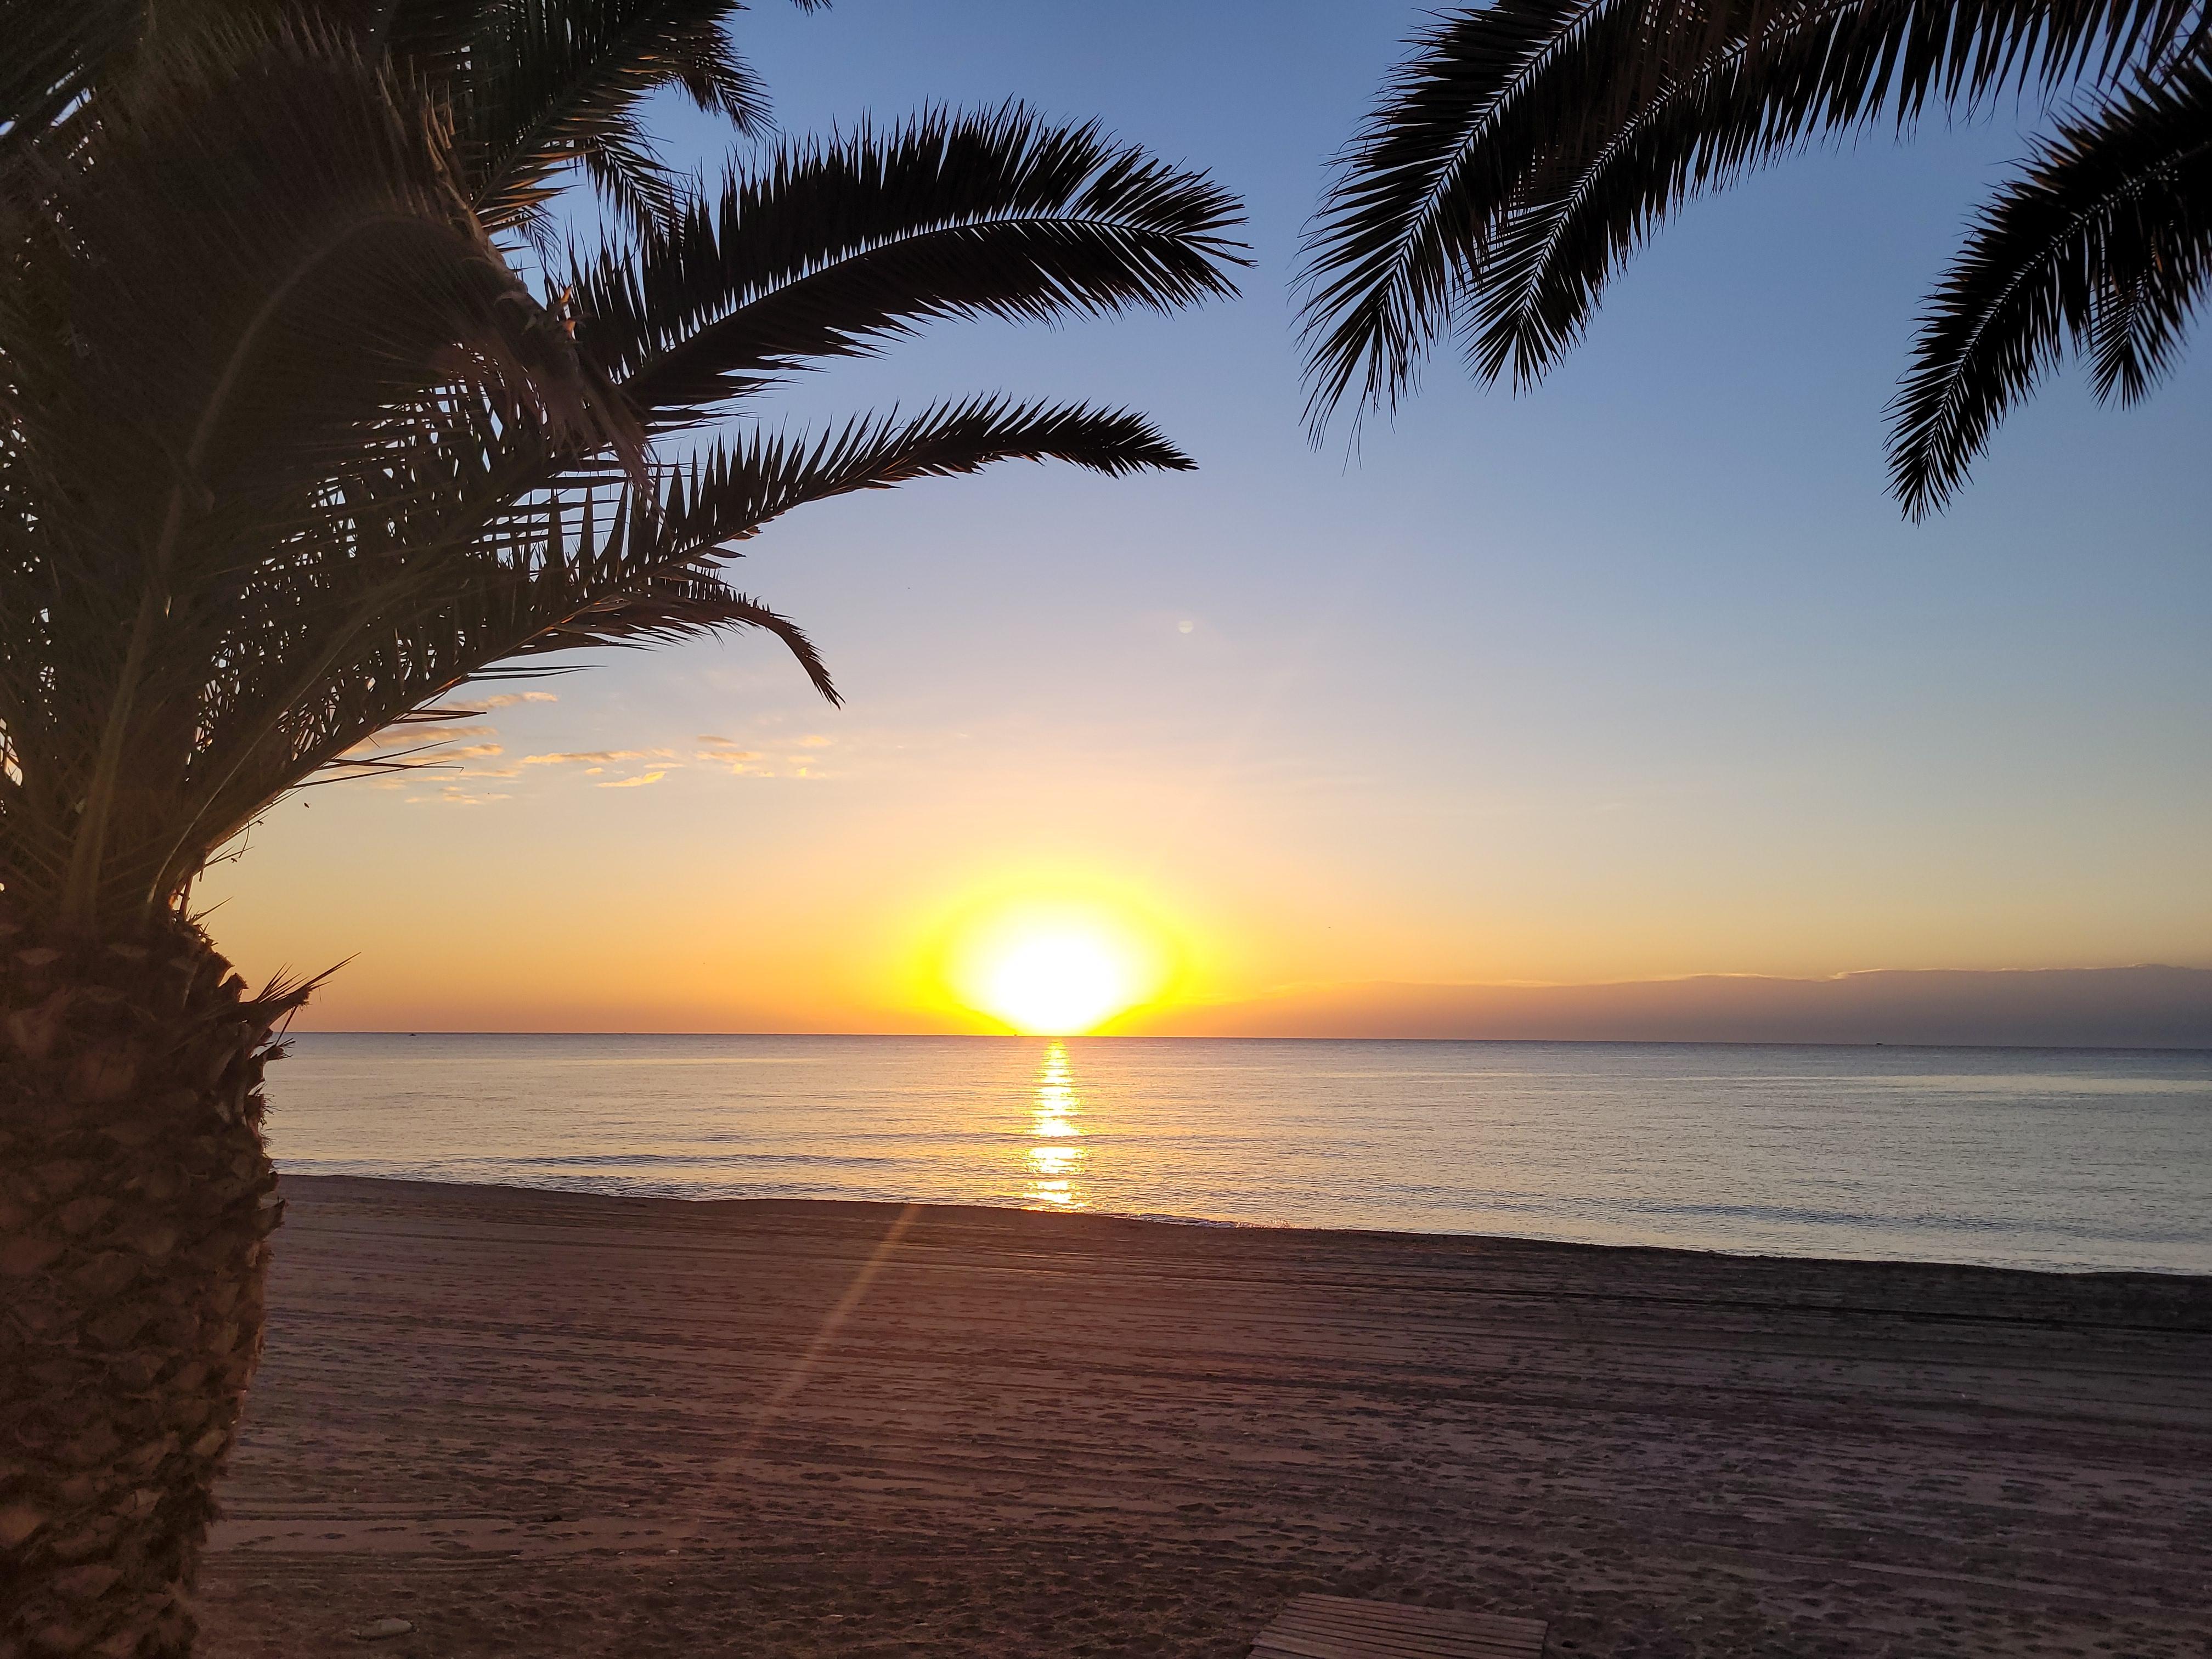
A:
{"x": 1336, "y": 1627}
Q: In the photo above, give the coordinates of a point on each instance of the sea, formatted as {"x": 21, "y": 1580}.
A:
{"x": 2067, "y": 1159}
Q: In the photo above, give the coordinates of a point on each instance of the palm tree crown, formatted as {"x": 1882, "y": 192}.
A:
{"x": 289, "y": 449}
{"x": 1526, "y": 149}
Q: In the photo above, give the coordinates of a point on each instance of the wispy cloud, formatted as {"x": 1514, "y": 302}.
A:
{"x": 454, "y": 794}
{"x": 738, "y": 762}
{"x": 633, "y": 783}
{"x": 418, "y": 735}
{"x": 508, "y": 699}
{"x": 597, "y": 756}
{"x": 780, "y": 755}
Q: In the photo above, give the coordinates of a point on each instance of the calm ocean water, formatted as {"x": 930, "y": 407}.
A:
{"x": 2018, "y": 1157}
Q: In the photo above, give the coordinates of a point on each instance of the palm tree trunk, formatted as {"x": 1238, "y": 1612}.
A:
{"x": 135, "y": 1205}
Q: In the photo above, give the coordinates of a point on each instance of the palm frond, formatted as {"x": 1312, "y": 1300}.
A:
{"x": 266, "y": 266}
{"x": 324, "y": 260}
{"x": 289, "y": 453}
{"x": 2106, "y": 240}
{"x": 683, "y": 606}
{"x": 700, "y": 61}
{"x": 551, "y": 82}
{"x": 1523, "y": 148}
{"x": 835, "y": 247}
{"x": 428, "y": 40}
{"x": 360, "y": 643}
{"x": 56, "y": 54}
{"x": 649, "y": 579}
{"x": 631, "y": 178}
{"x": 733, "y": 489}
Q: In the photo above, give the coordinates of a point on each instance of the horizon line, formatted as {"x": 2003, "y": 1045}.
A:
{"x": 1142, "y": 1037}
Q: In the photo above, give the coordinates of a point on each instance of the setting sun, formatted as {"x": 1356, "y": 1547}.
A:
{"x": 1054, "y": 970}
{"x": 1056, "y": 983}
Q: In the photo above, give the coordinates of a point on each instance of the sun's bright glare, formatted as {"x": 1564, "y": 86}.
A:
{"x": 1053, "y": 972}
{"x": 1056, "y": 982}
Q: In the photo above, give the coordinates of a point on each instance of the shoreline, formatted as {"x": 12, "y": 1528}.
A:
{"x": 595, "y": 1425}
{"x": 1230, "y": 1223}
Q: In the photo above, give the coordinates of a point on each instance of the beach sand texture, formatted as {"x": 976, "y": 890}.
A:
{"x": 551, "y": 1424}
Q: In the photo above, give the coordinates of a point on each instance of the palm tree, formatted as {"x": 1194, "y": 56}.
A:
{"x": 289, "y": 451}
{"x": 1525, "y": 149}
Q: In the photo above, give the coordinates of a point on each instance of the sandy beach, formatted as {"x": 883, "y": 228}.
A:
{"x": 541, "y": 1424}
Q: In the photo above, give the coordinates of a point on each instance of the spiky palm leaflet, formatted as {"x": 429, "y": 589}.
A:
{"x": 1526, "y": 150}
{"x": 289, "y": 453}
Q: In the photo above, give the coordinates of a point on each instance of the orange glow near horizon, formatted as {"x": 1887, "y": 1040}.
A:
{"x": 1055, "y": 969}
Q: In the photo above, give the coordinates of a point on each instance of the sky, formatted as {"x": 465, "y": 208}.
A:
{"x": 1638, "y": 676}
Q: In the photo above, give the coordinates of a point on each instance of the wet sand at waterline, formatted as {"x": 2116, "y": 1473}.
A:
{"x": 558, "y": 1423}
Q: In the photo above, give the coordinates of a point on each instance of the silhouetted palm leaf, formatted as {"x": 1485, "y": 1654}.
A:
{"x": 2106, "y": 241}
{"x": 55, "y": 55}
{"x": 532, "y": 88}
{"x": 189, "y": 382}
{"x": 1525, "y": 149}
{"x": 602, "y": 564}
{"x": 288, "y": 453}
{"x": 551, "y": 82}
{"x": 731, "y": 494}
{"x": 833, "y": 248}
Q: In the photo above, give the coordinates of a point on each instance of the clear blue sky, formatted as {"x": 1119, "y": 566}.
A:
{"x": 1640, "y": 674}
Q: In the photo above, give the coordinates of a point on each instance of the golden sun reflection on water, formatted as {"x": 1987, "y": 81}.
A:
{"x": 1053, "y": 1164}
